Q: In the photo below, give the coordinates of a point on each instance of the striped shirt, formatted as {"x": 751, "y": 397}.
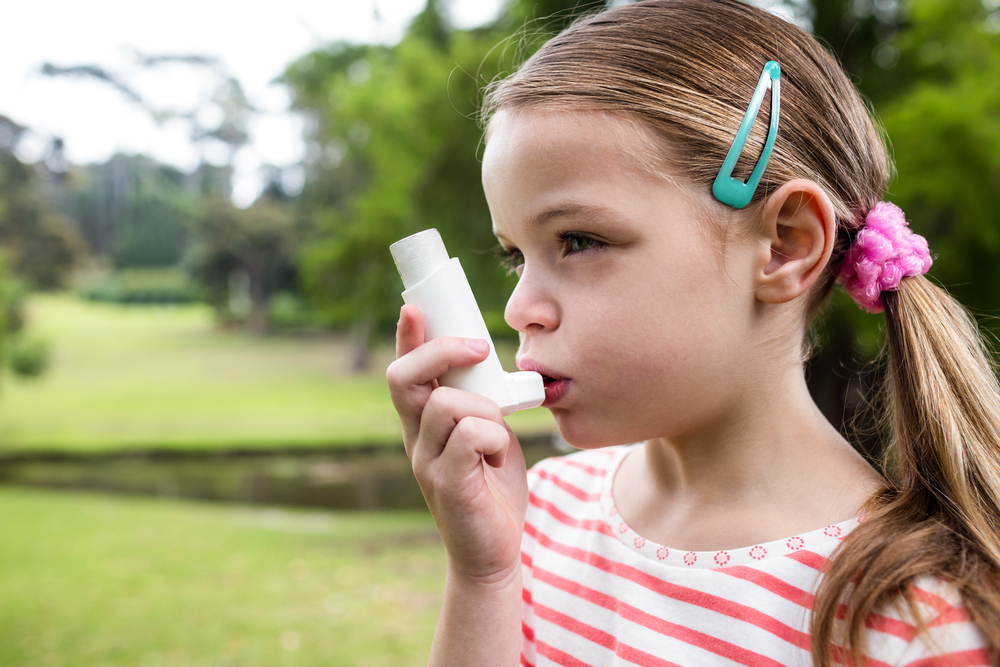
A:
{"x": 597, "y": 593}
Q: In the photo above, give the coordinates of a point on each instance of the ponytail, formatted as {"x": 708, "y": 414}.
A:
{"x": 939, "y": 515}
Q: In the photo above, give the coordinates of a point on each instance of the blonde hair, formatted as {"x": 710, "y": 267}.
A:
{"x": 687, "y": 69}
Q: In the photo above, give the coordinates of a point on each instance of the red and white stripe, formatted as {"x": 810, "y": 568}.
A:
{"x": 597, "y": 594}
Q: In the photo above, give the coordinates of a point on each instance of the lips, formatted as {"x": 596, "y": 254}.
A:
{"x": 555, "y": 384}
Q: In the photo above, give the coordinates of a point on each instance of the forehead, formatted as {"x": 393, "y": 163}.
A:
{"x": 537, "y": 157}
{"x": 553, "y": 160}
{"x": 579, "y": 135}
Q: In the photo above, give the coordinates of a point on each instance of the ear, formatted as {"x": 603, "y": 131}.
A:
{"x": 798, "y": 232}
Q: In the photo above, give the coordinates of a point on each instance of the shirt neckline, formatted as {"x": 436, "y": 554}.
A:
{"x": 813, "y": 541}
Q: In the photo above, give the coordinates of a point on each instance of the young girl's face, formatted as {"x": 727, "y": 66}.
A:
{"x": 627, "y": 299}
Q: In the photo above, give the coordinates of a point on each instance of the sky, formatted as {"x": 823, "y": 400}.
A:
{"x": 252, "y": 41}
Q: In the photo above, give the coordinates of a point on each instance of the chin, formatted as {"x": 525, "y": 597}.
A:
{"x": 587, "y": 436}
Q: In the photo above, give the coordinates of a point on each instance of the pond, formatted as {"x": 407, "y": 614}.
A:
{"x": 359, "y": 477}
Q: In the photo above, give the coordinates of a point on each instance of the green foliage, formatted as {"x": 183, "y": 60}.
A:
{"x": 139, "y": 286}
{"x": 27, "y": 355}
{"x": 12, "y": 297}
{"x": 430, "y": 24}
{"x": 859, "y": 33}
{"x": 945, "y": 130}
{"x": 133, "y": 210}
{"x": 152, "y": 234}
{"x": 401, "y": 126}
{"x": 258, "y": 243}
{"x": 30, "y": 356}
{"x": 398, "y": 140}
{"x": 24, "y": 355}
{"x": 42, "y": 247}
{"x": 287, "y": 311}
{"x": 549, "y": 15}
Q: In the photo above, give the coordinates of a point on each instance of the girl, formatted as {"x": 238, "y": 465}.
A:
{"x": 665, "y": 295}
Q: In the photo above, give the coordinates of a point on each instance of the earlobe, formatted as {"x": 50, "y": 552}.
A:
{"x": 798, "y": 228}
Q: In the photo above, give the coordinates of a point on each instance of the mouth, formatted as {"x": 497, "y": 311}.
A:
{"x": 555, "y": 385}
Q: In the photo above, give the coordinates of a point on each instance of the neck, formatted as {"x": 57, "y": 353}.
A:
{"x": 743, "y": 450}
{"x": 767, "y": 468}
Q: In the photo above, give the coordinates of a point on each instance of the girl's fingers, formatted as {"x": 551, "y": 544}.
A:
{"x": 412, "y": 379}
{"x": 431, "y": 360}
{"x": 474, "y": 438}
{"x": 498, "y": 458}
{"x": 447, "y": 411}
{"x": 409, "y": 330}
{"x": 425, "y": 364}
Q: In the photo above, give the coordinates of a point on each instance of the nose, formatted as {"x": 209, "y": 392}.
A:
{"x": 531, "y": 307}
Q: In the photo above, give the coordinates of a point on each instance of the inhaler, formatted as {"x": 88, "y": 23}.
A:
{"x": 436, "y": 284}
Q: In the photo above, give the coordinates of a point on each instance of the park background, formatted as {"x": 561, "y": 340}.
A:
{"x": 199, "y": 462}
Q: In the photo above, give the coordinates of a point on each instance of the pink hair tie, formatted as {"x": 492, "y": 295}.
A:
{"x": 883, "y": 253}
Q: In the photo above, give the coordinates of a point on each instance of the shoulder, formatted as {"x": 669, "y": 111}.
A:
{"x": 950, "y": 636}
{"x": 566, "y": 492}
{"x": 586, "y": 471}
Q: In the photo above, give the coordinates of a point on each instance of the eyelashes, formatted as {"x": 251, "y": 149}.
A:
{"x": 570, "y": 243}
{"x": 573, "y": 243}
{"x": 511, "y": 259}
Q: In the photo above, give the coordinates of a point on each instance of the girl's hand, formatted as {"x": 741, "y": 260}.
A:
{"x": 466, "y": 459}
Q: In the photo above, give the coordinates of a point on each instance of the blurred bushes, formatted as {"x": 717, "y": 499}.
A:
{"x": 29, "y": 356}
{"x": 140, "y": 286}
{"x": 287, "y": 311}
{"x": 26, "y": 355}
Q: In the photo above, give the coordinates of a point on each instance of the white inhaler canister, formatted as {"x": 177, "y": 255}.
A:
{"x": 436, "y": 284}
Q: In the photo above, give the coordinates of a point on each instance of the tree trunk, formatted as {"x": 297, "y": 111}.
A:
{"x": 257, "y": 319}
{"x": 360, "y": 350}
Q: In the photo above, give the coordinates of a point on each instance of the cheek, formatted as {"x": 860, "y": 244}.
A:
{"x": 665, "y": 338}
{"x": 663, "y": 310}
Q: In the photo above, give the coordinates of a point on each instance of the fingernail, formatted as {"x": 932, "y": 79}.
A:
{"x": 402, "y": 316}
{"x": 478, "y": 345}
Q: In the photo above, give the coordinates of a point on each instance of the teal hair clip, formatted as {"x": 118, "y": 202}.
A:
{"x": 732, "y": 191}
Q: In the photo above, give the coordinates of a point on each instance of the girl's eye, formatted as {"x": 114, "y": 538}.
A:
{"x": 511, "y": 259}
{"x": 574, "y": 243}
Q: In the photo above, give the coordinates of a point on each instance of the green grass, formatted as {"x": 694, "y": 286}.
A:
{"x": 164, "y": 376}
{"x": 104, "y": 581}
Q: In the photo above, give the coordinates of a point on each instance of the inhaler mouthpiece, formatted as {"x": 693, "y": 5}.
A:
{"x": 436, "y": 284}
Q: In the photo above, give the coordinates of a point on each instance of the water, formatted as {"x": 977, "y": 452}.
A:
{"x": 362, "y": 477}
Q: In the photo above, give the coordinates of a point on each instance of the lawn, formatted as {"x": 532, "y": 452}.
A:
{"x": 106, "y": 581}
{"x": 166, "y": 376}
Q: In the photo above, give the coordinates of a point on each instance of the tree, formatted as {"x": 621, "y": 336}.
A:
{"x": 232, "y": 244}
{"x": 132, "y": 210}
{"x": 547, "y": 16}
{"x": 41, "y": 246}
{"x": 945, "y": 130}
{"x": 397, "y": 143}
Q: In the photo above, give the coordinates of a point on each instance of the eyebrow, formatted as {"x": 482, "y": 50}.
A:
{"x": 563, "y": 211}
{"x": 566, "y": 211}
